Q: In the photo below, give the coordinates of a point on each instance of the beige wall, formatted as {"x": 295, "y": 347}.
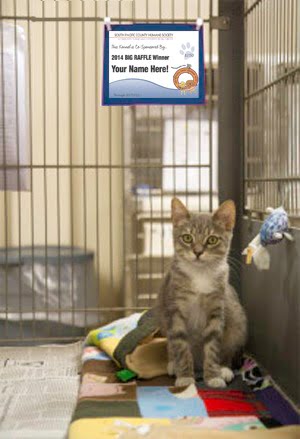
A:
{"x": 64, "y": 208}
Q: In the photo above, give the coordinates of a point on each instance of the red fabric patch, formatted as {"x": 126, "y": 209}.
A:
{"x": 232, "y": 403}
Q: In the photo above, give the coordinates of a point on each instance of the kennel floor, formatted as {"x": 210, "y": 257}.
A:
{"x": 106, "y": 406}
{"x": 41, "y": 394}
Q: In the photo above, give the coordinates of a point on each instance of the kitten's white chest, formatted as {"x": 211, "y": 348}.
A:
{"x": 202, "y": 283}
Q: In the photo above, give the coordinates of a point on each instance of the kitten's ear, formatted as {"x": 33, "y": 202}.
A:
{"x": 225, "y": 215}
{"x": 179, "y": 211}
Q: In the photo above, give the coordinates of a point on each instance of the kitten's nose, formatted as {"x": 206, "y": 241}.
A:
{"x": 198, "y": 251}
{"x": 198, "y": 254}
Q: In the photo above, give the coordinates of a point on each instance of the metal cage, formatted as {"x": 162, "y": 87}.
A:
{"x": 272, "y": 98}
{"x": 85, "y": 191}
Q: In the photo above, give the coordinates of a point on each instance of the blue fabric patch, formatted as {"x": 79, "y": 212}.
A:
{"x": 101, "y": 356}
{"x": 95, "y": 356}
{"x": 105, "y": 334}
{"x": 159, "y": 402}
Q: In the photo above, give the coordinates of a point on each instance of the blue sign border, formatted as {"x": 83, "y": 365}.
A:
{"x": 106, "y": 100}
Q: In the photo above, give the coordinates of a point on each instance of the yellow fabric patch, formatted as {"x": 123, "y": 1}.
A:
{"x": 108, "y": 428}
{"x": 108, "y": 345}
{"x": 92, "y": 337}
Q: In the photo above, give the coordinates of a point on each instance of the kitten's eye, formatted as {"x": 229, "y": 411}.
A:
{"x": 212, "y": 240}
{"x": 188, "y": 239}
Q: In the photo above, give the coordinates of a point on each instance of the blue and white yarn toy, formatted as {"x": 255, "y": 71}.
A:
{"x": 273, "y": 230}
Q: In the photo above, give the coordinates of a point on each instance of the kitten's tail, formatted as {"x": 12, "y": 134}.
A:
{"x": 262, "y": 258}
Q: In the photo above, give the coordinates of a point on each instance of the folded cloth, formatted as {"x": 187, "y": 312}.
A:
{"x": 133, "y": 343}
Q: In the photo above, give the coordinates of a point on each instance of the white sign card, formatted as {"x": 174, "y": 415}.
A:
{"x": 153, "y": 64}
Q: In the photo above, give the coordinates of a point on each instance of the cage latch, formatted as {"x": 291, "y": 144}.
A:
{"x": 220, "y": 22}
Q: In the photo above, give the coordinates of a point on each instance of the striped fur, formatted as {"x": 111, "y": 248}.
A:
{"x": 199, "y": 310}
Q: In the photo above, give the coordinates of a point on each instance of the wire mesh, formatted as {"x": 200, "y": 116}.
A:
{"x": 272, "y": 97}
{"x": 87, "y": 237}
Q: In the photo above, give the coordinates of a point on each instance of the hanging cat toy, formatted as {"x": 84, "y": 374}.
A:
{"x": 273, "y": 230}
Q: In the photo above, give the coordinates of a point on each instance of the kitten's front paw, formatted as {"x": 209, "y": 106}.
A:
{"x": 184, "y": 381}
{"x": 227, "y": 374}
{"x": 171, "y": 368}
{"x": 216, "y": 382}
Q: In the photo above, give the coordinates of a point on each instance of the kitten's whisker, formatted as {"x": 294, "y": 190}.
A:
{"x": 236, "y": 253}
{"x": 234, "y": 260}
{"x": 234, "y": 269}
{"x": 233, "y": 263}
{"x": 235, "y": 275}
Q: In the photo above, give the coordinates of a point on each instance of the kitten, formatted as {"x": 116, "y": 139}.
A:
{"x": 198, "y": 309}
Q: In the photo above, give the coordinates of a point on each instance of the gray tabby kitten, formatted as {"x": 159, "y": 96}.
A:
{"x": 199, "y": 310}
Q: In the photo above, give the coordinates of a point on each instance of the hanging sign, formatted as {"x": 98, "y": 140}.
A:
{"x": 153, "y": 64}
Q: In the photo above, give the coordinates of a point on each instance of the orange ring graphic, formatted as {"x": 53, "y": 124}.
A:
{"x": 190, "y": 84}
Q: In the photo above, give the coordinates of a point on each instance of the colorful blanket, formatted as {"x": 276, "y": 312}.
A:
{"x": 116, "y": 401}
